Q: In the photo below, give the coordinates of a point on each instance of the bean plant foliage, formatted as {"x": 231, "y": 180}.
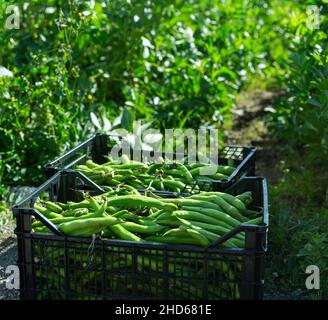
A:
{"x": 176, "y": 63}
{"x": 302, "y": 114}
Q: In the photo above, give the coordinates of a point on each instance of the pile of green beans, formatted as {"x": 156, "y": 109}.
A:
{"x": 125, "y": 214}
{"x": 162, "y": 175}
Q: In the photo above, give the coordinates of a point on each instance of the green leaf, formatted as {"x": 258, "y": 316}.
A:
{"x": 106, "y": 123}
{"x": 95, "y": 121}
{"x": 315, "y": 102}
{"x": 127, "y": 119}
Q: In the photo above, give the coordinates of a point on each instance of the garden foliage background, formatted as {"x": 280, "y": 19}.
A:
{"x": 76, "y": 67}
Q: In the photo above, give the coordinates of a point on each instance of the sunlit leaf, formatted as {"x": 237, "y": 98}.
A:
{"x": 95, "y": 121}
{"x": 107, "y": 126}
{"x": 146, "y": 43}
{"x": 5, "y": 72}
{"x": 142, "y": 128}
{"x": 315, "y": 102}
{"x": 117, "y": 121}
{"x": 127, "y": 119}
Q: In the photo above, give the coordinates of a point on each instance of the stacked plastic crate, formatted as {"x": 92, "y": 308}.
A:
{"x": 54, "y": 266}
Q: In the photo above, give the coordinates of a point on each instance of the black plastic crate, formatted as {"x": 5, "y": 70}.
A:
{"x": 99, "y": 146}
{"x": 53, "y": 266}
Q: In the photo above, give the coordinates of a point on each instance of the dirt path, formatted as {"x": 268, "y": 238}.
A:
{"x": 249, "y": 128}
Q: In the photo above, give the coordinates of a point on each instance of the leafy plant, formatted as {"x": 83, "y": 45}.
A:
{"x": 174, "y": 63}
{"x": 134, "y": 132}
{"x": 5, "y": 214}
{"x": 302, "y": 114}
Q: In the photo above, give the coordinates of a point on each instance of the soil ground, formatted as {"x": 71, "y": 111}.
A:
{"x": 249, "y": 128}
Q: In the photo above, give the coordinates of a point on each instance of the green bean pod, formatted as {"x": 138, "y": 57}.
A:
{"x": 219, "y": 215}
{"x": 46, "y": 212}
{"x": 142, "y": 229}
{"x": 246, "y": 198}
{"x": 227, "y": 170}
{"x": 155, "y": 166}
{"x": 228, "y": 208}
{"x": 79, "y": 205}
{"x": 256, "y": 221}
{"x": 124, "y": 234}
{"x": 75, "y": 212}
{"x": 90, "y": 164}
{"x": 132, "y": 201}
{"x": 187, "y": 232}
{"x": 119, "y": 213}
{"x": 185, "y": 172}
{"x": 194, "y": 215}
{"x": 53, "y": 207}
{"x": 172, "y": 222}
{"x": 234, "y": 201}
{"x": 209, "y": 235}
{"x": 192, "y": 202}
{"x": 94, "y": 204}
{"x": 217, "y": 229}
{"x": 138, "y": 165}
{"x": 195, "y": 165}
{"x": 87, "y": 227}
{"x": 178, "y": 185}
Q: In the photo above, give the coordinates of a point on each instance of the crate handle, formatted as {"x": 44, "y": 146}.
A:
{"x": 47, "y": 222}
{"x": 225, "y": 237}
{"x": 243, "y": 164}
{"x": 67, "y": 155}
{"x": 86, "y": 179}
{"x": 240, "y": 228}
